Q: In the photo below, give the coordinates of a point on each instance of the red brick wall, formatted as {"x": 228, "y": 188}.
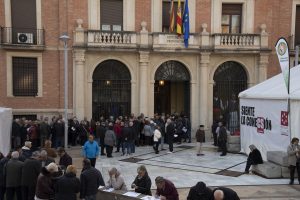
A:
{"x": 277, "y": 15}
{"x": 203, "y": 14}
{"x": 142, "y": 13}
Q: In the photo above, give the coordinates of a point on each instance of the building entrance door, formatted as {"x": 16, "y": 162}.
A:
{"x": 111, "y": 90}
{"x": 172, "y": 89}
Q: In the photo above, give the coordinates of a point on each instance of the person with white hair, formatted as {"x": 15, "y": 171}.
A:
{"x": 26, "y": 151}
{"x": 45, "y": 185}
{"x": 116, "y": 181}
{"x": 13, "y": 172}
{"x": 254, "y": 158}
{"x": 45, "y": 160}
{"x": 223, "y": 193}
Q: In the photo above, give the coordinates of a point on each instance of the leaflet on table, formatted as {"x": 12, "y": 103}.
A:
{"x": 132, "y": 194}
{"x": 149, "y": 198}
{"x": 109, "y": 190}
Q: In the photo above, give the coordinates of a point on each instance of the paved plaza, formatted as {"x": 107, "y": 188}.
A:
{"x": 185, "y": 169}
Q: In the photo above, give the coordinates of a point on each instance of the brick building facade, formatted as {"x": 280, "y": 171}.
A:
{"x": 150, "y": 69}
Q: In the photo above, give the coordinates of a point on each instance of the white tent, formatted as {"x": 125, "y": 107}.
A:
{"x": 263, "y": 114}
{"x": 5, "y": 129}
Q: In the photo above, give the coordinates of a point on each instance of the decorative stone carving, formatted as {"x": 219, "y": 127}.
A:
{"x": 263, "y": 28}
{"x": 144, "y": 26}
{"x": 79, "y": 23}
{"x": 204, "y": 27}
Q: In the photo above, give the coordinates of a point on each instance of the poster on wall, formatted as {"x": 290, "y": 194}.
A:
{"x": 264, "y": 123}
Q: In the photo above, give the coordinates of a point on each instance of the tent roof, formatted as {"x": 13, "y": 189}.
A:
{"x": 274, "y": 88}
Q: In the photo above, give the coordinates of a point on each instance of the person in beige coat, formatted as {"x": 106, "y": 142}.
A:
{"x": 293, "y": 152}
{"x": 116, "y": 181}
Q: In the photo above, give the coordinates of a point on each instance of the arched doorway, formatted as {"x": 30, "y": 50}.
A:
{"x": 172, "y": 89}
{"x": 229, "y": 80}
{"x": 111, "y": 90}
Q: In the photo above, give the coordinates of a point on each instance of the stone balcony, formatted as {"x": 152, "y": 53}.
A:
{"x": 169, "y": 42}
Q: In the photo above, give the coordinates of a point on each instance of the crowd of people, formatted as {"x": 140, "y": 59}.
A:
{"x": 34, "y": 175}
{"x": 125, "y": 132}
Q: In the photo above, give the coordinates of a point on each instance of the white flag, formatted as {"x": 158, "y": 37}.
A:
{"x": 282, "y": 51}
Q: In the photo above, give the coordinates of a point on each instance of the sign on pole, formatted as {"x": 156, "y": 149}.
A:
{"x": 282, "y": 51}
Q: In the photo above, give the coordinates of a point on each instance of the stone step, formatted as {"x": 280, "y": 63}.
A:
{"x": 278, "y": 157}
{"x": 233, "y": 139}
{"x": 268, "y": 170}
{"x": 234, "y": 148}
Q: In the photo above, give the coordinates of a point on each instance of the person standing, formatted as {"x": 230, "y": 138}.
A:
{"x": 45, "y": 184}
{"x": 16, "y": 132}
{"x": 166, "y": 190}
{"x": 3, "y": 161}
{"x": 59, "y": 129}
{"x": 254, "y": 158}
{"x": 30, "y": 172}
{"x": 156, "y": 139}
{"x": 13, "y": 173}
{"x": 68, "y": 185}
{"x": 170, "y": 130}
{"x": 200, "y": 137}
{"x": 101, "y": 132}
{"x": 91, "y": 150}
{"x": 293, "y": 152}
{"x": 90, "y": 180}
{"x": 65, "y": 160}
{"x": 118, "y": 133}
{"x": 109, "y": 140}
{"x": 222, "y": 139}
{"x": 26, "y": 151}
{"x": 45, "y": 131}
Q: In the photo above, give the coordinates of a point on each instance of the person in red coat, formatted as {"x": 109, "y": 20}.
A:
{"x": 166, "y": 190}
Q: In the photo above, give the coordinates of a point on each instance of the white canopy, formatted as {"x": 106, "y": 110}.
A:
{"x": 5, "y": 129}
{"x": 274, "y": 88}
{"x": 263, "y": 114}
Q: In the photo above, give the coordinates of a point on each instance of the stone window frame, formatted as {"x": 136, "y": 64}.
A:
{"x": 247, "y": 15}
{"x": 9, "y": 72}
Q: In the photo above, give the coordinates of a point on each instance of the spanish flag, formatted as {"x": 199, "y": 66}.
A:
{"x": 179, "y": 19}
{"x": 172, "y": 19}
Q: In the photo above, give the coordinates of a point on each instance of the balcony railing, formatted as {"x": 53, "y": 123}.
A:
{"x": 22, "y": 36}
{"x": 111, "y": 38}
{"x": 236, "y": 41}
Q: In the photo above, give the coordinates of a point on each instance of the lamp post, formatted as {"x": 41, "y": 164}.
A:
{"x": 64, "y": 38}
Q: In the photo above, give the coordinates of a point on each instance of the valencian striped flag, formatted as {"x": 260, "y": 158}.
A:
{"x": 186, "y": 24}
{"x": 172, "y": 19}
{"x": 179, "y": 19}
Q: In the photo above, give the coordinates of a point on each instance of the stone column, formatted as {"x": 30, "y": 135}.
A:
{"x": 144, "y": 63}
{"x": 203, "y": 94}
{"x": 262, "y": 68}
{"x": 195, "y": 107}
{"x": 79, "y": 82}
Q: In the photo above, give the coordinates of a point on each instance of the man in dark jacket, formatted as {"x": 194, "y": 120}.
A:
{"x": 100, "y": 132}
{"x": 200, "y": 138}
{"x": 199, "y": 192}
{"x": 222, "y": 139}
{"x": 3, "y": 162}
{"x": 68, "y": 185}
{"x": 65, "y": 160}
{"x": 170, "y": 130}
{"x": 127, "y": 138}
{"x": 59, "y": 129}
{"x": 30, "y": 172}
{"x": 16, "y": 132}
{"x": 223, "y": 193}
{"x": 45, "y": 131}
{"x": 90, "y": 179}
{"x": 26, "y": 151}
{"x": 13, "y": 172}
{"x": 166, "y": 190}
{"x": 254, "y": 158}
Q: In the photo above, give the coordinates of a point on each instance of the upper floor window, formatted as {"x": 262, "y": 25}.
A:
{"x": 231, "y": 18}
{"x": 166, "y": 15}
{"x": 297, "y": 26}
{"x": 23, "y": 20}
{"x": 111, "y": 15}
{"x": 25, "y": 76}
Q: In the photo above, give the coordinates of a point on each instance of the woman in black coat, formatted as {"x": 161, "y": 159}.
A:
{"x": 254, "y": 158}
{"x": 68, "y": 185}
{"x": 199, "y": 192}
{"x": 142, "y": 182}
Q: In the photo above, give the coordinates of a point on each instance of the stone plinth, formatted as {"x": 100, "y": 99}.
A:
{"x": 268, "y": 170}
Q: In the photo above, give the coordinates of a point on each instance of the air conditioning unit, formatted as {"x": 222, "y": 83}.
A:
{"x": 25, "y": 38}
